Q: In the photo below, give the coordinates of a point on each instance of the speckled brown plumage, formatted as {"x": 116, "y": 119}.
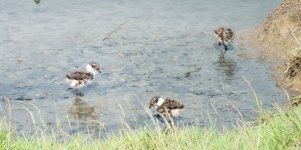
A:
{"x": 78, "y": 79}
{"x": 172, "y": 104}
{"x": 80, "y": 75}
{"x": 224, "y": 35}
{"x": 153, "y": 101}
{"x": 169, "y": 107}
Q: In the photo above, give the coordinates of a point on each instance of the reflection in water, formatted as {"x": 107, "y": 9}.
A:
{"x": 227, "y": 65}
{"x": 81, "y": 111}
{"x": 163, "y": 55}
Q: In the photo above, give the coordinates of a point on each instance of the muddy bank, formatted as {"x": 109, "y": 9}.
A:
{"x": 279, "y": 39}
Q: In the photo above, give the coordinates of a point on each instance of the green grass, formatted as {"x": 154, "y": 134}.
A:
{"x": 280, "y": 131}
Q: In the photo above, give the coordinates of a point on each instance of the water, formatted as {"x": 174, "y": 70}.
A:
{"x": 145, "y": 48}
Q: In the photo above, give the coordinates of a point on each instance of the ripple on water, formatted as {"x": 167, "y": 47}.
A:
{"x": 167, "y": 52}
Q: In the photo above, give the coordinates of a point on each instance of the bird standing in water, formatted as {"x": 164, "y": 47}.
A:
{"x": 78, "y": 79}
{"x": 224, "y": 36}
{"x": 166, "y": 107}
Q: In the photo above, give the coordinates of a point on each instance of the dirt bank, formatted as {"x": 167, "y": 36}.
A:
{"x": 279, "y": 40}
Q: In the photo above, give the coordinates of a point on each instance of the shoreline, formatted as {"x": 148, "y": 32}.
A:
{"x": 276, "y": 39}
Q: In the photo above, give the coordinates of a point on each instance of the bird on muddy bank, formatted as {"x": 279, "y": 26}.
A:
{"x": 169, "y": 108}
{"x": 79, "y": 79}
{"x": 224, "y": 36}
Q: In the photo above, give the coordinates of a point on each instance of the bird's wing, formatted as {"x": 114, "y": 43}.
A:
{"x": 172, "y": 104}
{"x": 79, "y": 75}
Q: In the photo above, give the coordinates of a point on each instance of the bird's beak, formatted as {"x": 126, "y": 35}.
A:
{"x": 149, "y": 106}
{"x": 99, "y": 71}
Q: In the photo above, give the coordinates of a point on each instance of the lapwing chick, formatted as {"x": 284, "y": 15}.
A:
{"x": 166, "y": 107}
{"x": 224, "y": 36}
{"x": 79, "y": 79}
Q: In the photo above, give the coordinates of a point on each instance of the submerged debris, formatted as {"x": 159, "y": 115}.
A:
{"x": 18, "y": 98}
{"x": 294, "y": 66}
{"x": 37, "y": 1}
{"x": 295, "y": 100}
{"x": 188, "y": 74}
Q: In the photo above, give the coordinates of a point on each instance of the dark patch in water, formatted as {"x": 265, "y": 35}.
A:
{"x": 188, "y": 74}
{"x": 21, "y": 98}
{"x": 198, "y": 93}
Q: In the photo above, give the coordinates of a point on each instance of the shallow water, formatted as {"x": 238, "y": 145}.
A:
{"x": 145, "y": 48}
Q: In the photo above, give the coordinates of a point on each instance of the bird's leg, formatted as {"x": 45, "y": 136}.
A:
{"x": 78, "y": 93}
{"x": 161, "y": 118}
{"x": 226, "y": 48}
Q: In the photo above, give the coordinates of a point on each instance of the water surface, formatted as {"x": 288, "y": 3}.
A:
{"x": 145, "y": 48}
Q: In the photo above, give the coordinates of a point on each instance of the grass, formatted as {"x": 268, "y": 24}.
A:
{"x": 280, "y": 131}
{"x": 277, "y": 130}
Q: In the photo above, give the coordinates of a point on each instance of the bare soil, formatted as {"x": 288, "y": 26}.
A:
{"x": 279, "y": 41}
